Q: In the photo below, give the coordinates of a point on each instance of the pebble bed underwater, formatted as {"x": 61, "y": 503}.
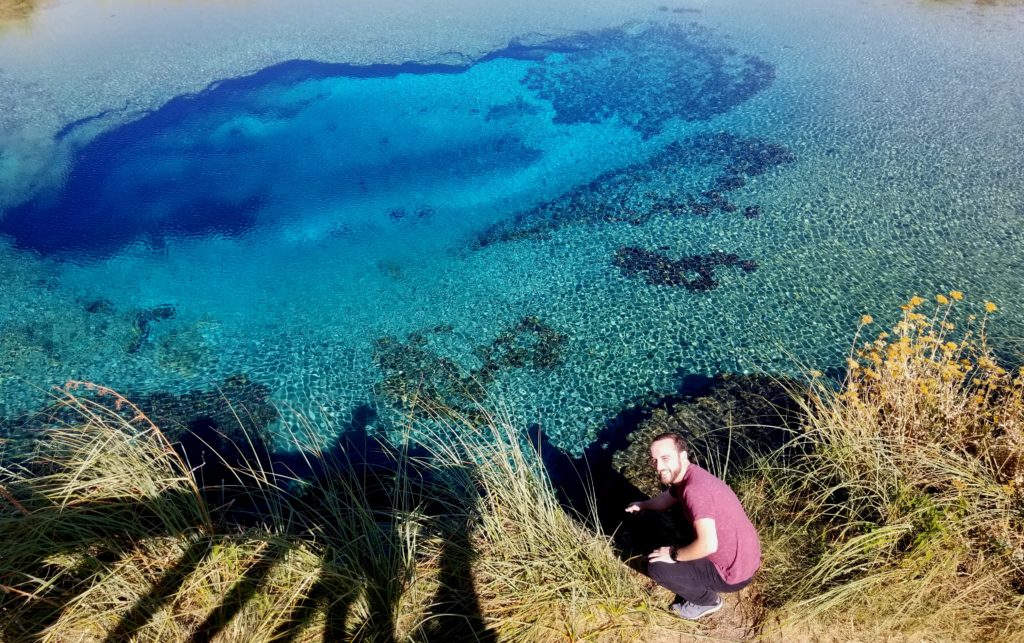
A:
{"x": 561, "y": 214}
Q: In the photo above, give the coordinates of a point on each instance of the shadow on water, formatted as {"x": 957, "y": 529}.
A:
{"x": 356, "y": 490}
{"x": 593, "y": 475}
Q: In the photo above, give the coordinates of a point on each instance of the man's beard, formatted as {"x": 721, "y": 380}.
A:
{"x": 667, "y": 476}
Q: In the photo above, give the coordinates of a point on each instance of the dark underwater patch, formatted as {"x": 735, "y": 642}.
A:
{"x": 513, "y": 109}
{"x": 417, "y": 379}
{"x": 688, "y": 178}
{"x": 693, "y": 272}
{"x": 647, "y": 76}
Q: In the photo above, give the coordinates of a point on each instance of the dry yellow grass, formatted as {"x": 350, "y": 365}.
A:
{"x": 899, "y": 511}
{"x": 15, "y": 11}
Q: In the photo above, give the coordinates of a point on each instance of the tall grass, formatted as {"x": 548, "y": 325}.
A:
{"x": 899, "y": 510}
{"x": 541, "y": 574}
{"x": 104, "y": 535}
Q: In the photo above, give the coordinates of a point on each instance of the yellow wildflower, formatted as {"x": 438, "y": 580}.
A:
{"x": 941, "y": 299}
{"x": 990, "y": 307}
{"x": 956, "y": 294}
{"x": 867, "y": 319}
{"x": 916, "y": 301}
{"x": 852, "y": 363}
{"x": 816, "y": 373}
{"x": 950, "y": 372}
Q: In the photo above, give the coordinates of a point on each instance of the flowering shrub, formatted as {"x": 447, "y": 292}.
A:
{"x": 931, "y": 383}
{"x": 900, "y": 506}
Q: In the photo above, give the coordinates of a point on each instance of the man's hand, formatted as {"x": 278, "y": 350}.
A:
{"x": 635, "y": 508}
{"x": 661, "y": 555}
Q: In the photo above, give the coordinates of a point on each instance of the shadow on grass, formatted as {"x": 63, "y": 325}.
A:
{"x": 37, "y": 534}
{"x": 353, "y": 493}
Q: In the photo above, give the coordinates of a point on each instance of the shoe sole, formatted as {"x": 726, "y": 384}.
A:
{"x": 712, "y": 610}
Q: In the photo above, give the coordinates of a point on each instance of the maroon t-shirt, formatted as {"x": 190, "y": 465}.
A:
{"x": 702, "y": 495}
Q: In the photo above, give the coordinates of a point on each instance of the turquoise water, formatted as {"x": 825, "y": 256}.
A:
{"x": 567, "y": 214}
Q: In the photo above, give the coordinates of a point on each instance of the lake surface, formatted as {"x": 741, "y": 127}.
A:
{"x": 564, "y": 211}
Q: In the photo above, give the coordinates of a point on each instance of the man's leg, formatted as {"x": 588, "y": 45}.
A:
{"x": 690, "y": 581}
{"x": 696, "y": 581}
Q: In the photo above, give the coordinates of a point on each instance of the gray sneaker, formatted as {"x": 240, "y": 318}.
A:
{"x": 692, "y": 612}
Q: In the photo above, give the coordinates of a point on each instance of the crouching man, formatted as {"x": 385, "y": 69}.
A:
{"x": 726, "y": 551}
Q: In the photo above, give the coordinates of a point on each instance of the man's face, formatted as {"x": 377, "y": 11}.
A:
{"x": 668, "y": 461}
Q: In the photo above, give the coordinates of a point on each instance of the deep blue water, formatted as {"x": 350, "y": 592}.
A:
{"x": 176, "y": 172}
{"x": 214, "y": 162}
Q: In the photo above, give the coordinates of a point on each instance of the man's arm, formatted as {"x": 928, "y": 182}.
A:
{"x": 703, "y": 546}
{"x": 660, "y": 502}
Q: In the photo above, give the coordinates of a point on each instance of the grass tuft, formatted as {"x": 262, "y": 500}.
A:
{"x": 900, "y": 507}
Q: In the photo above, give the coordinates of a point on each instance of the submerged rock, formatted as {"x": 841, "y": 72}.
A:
{"x": 689, "y": 177}
{"x": 142, "y": 322}
{"x": 659, "y": 270}
{"x": 420, "y": 380}
{"x": 99, "y": 306}
{"x": 647, "y": 75}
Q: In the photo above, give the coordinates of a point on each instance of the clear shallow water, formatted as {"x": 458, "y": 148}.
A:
{"x": 338, "y": 232}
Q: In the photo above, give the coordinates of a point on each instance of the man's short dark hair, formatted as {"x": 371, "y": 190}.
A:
{"x": 677, "y": 440}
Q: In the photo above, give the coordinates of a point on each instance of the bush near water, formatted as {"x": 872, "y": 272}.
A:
{"x": 899, "y": 507}
{"x": 894, "y": 511}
